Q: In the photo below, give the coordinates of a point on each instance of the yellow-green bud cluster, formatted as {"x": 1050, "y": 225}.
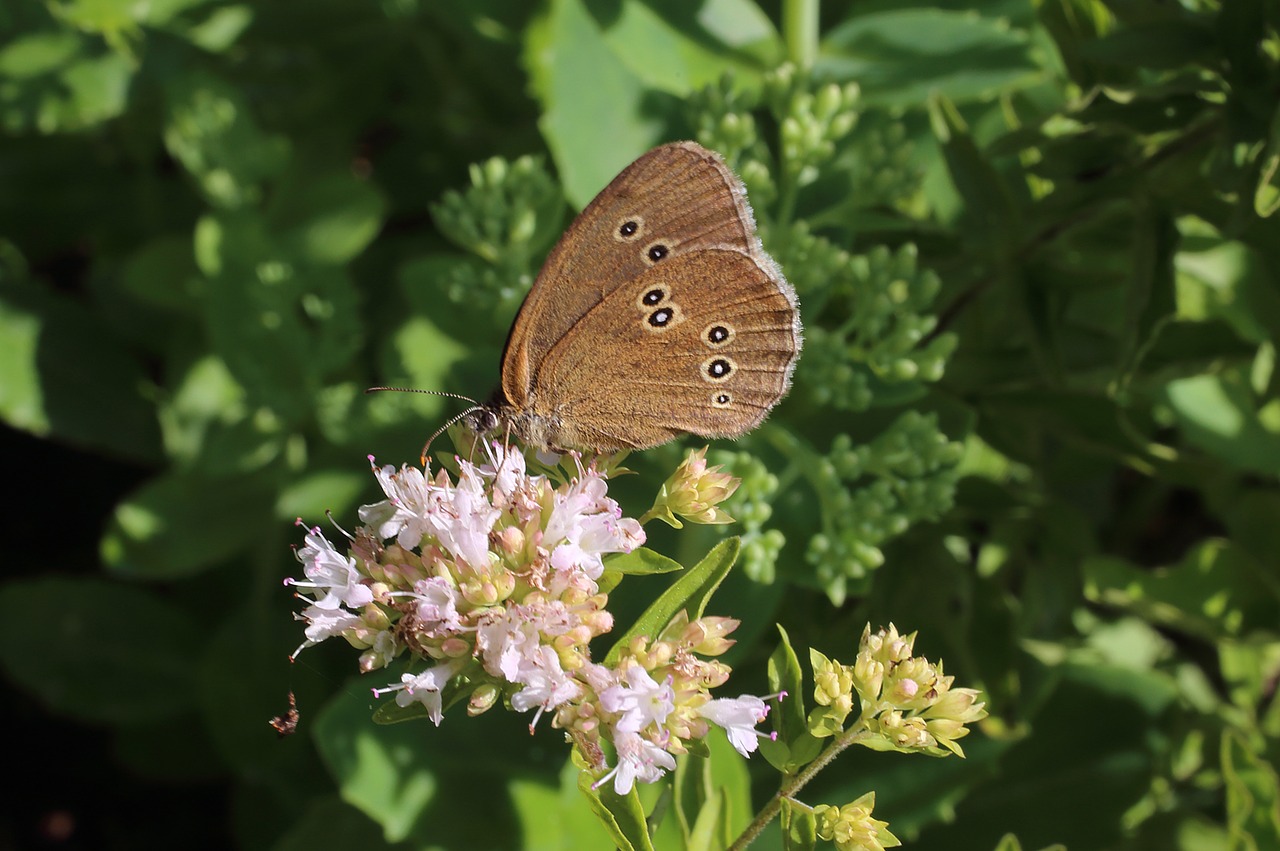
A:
{"x": 907, "y": 700}
{"x": 852, "y": 828}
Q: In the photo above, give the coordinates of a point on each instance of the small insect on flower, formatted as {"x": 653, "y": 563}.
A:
{"x": 287, "y": 724}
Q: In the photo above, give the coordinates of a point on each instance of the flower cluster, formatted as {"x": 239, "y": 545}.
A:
{"x": 494, "y": 580}
{"x": 852, "y": 828}
{"x": 905, "y": 700}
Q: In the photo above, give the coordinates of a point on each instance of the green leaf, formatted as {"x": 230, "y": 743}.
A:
{"x": 210, "y": 129}
{"x": 58, "y": 88}
{"x": 1159, "y": 44}
{"x": 621, "y": 815}
{"x": 330, "y": 824}
{"x": 564, "y": 47}
{"x": 163, "y": 273}
{"x": 310, "y": 496}
{"x": 221, "y": 29}
{"x": 374, "y": 766}
{"x": 180, "y": 524}
{"x": 799, "y": 827}
{"x": 795, "y": 745}
{"x": 281, "y": 327}
{"x": 902, "y": 57}
{"x": 98, "y": 651}
{"x": 552, "y": 817}
{"x": 705, "y": 833}
{"x": 1218, "y": 590}
{"x": 1253, "y": 794}
{"x": 1150, "y": 299}
{"x": 63, "y": 376}
{"x": 37, "y": 54}
{"x": 1219, "y": 415}
{"x": 690, "y": 593}
{"x": 991, "y": 217}
{"x": 326, "y": 219}
{"x": 728, "y": 773}
{"x": 641, "y": 561}
{"x": 676, "y": 48}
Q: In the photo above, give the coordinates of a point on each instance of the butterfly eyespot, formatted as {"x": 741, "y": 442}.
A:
{"x": 656, "y": 252}
{"x": 653, "y": 297}
{"x": 628, "y": 229}
{"x": 661, "y": 317}
{"x": 717, "y": 334}
{"x": 718, "y": 369}
{"x": 721, "y": 400}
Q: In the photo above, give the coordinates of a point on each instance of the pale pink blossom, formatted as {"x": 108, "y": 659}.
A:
{"x": 324, "y": 623}
{"x": 437, "y": 606}
{"x": 638, "y": 759}
{"x": 403, "y": 514}
{"x": 425, "y": 688}
{"x": 739, "y": 717}
{"x": 331, "y": 576}
{"x": 639, "y": 699}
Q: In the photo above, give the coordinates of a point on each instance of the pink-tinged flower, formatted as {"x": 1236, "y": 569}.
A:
{"x": 383, "y": 648}
{"x": 546, "y": 684}
{"x": 641, "y": 701}
{"x": 739, "y": 717}
{"x": 425, "y": 688}
{"x": 437, "y": 606}
{"x": 331, "y": 576}
{"x": 638, "y": 759}
{"x": 461, "y": 517}
{"x": 508, "y": 641}
{"x": 403, "y": 514}
{"x": 585, "y": 525}
{"x": 324, "y": 623}
{"x": 506, "y": 468}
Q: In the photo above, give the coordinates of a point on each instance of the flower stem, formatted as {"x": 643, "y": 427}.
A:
{"x": 794, "y": 783}
{"x": 800, "y": 31}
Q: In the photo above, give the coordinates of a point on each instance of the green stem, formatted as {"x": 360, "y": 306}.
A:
{"x": 800, "y": 31}
{"x": 794, "y": 783}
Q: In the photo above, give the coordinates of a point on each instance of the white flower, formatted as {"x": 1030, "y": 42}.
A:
{"x": 403, "y": 514}
{"x": 638, "y": 759}
{"x": 739, "y": 717}
{"x": 437, "y": 606}
{"x": 506, "y": 467}
{"x": 332, "y": 576}
{"x": 425, "y": 688}
{"x": 508, "y": 641}
{"x": 585, "y": 525}
{"x": 546, "y": 684}
{"x": 381, "y": 652}
{"x": 324, "y": 623}
{"x": 461, "y": 517}
{"x": 641, "y": 701}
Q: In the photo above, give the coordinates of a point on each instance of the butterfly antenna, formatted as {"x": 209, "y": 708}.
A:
{"x": 475, "y": 406}
{"x": 426, "y": 446}
{"x": 428, "y": 392}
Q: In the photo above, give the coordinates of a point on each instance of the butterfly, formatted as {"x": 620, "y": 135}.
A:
{"x": 657, "y": 314}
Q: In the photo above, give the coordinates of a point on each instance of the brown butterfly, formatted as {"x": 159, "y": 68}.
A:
{"x": 657, "y": 314}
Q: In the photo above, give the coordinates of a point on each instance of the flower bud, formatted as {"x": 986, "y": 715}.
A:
{"x": 483, "y": 699}
{"x": 694, "y": 491}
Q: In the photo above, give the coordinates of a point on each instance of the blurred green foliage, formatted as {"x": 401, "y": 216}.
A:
{"x": 1037, "y": 418}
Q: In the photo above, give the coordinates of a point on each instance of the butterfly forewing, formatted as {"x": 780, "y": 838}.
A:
{"x": 676, "y": 199}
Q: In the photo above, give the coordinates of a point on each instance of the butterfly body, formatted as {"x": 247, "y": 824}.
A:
{"x": 657, "y": 314}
